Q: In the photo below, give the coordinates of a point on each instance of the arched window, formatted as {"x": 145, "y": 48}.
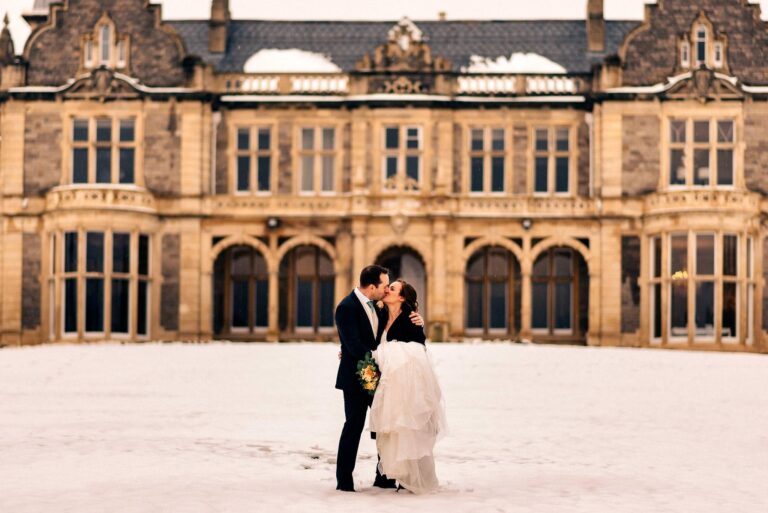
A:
{"x": 307, "y": 291}
{"x": 492, "y": 298}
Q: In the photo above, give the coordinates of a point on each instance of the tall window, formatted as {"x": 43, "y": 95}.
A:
{"x": 103, "y": 150}
{"x": 560, "y": 295}
{"x": 701, "y": 152}
{"x": 318, "y": 160}
{"x": 402, "y": 158}
{"x": 105, "y": 44}
{"x": 248, "y": 290}
{"x": 487, "y": 160}
{"x": 254, "y": 160}
{"x": 701, "y": 45}
{"x": 703, "y": 279}
{"x": 685, "y": 54}
{"x": 493, "y": 292}
{"x": 307, "y": 281}
{"x": 552, "y": 155}
{"x": 112, "y": 270}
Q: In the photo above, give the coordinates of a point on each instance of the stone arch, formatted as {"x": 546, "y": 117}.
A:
{"x": 491, "y": 240}
{"x": 551, "y": 242}
{"x": 376, "y": 251}
{"x": 243, "y": 240}
{"x": 309, "y": 240}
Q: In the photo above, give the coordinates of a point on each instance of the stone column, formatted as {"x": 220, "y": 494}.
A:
{"x": 525, "y": 290}
{"x": 437, "y": 310}
{"x": 273, "y": 328}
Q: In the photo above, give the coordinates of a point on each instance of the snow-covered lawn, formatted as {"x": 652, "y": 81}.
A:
{"x": 254, "y": 428}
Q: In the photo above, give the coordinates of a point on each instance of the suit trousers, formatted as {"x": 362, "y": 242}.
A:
{"x": 356, "y": 404}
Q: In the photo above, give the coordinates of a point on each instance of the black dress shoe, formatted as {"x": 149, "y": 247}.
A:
{"x": 345, "y": 488}
{"x": 382, "y": 482}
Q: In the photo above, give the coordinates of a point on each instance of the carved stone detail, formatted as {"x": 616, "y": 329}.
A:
{"x": 405, "y": 50}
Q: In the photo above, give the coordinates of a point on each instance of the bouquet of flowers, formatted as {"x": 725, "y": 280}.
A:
{"x": 368, "y": 373}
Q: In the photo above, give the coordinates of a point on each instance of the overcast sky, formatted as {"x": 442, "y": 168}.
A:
{"x": 369, "y": 10}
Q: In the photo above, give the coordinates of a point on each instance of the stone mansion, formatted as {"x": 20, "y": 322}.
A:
{"x": 579, "y": 181}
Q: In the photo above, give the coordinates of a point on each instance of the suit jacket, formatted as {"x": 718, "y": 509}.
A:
{"x": 404, "y": 330}
{"x": 356, "y": 338}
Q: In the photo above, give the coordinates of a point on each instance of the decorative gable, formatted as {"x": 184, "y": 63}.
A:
{"x": 405, "y": 51}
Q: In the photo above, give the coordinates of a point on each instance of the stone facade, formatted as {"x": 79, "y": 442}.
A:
{"x": 574, "y": 239}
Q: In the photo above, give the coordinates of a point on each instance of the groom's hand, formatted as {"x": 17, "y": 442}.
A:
{"x": 339, "y": 355}
{"x": 416, "y": 319}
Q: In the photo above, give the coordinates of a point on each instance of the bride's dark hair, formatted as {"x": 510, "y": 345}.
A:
{"x": 408, "y": 293}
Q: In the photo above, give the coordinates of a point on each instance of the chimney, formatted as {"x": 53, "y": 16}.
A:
{"x": 218, "y": 26}
{"x": 441, "y": 16}
{"x": 595, "y": 26}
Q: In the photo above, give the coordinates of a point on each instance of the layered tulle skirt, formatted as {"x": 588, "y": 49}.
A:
{"x": 408, "y": 415}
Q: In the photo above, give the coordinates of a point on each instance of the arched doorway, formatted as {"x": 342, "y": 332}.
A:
{"x": 403, "y": 262}
{"x": 306, "y": 291}
{"x": 560, "y": 296}
{"x": 492, "y": 293}
{"x": 240, "y": 293}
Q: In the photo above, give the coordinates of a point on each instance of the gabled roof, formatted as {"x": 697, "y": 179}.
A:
{"x": 345, "y": 42}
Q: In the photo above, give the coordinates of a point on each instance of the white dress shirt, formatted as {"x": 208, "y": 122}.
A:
{"x": 371, "y": 313}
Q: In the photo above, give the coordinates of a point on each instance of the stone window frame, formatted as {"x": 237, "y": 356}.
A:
{"x": 254, "y": 153}
{"x": 487, "y": 153}
{"x": 552, "y": 154}
{"x": 92, "y": 47}
{"x": 689, "y": 146}
{"x": 317, "y": 154}
{"x": 402, "y": 153}
{"x": 115, "y": 144}
{"x": 59, "y": 275}
{"x": 513, "y": 284}
{"x": 712, "y": 44}
{"x": 661, "y": 276}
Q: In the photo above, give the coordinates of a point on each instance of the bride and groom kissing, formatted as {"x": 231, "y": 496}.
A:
{"x": 407, "y": 408}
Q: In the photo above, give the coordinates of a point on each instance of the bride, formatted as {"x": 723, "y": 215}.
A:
{"x": 408, "y": 412}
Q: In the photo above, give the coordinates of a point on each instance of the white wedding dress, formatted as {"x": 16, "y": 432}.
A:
{"x": 407, "y": 414}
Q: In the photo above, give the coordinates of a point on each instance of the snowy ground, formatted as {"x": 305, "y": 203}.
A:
{"x": 254, "y": 428}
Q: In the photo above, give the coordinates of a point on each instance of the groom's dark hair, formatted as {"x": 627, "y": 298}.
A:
{"x": 371, "y": 275}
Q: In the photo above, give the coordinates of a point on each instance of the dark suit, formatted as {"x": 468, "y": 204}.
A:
{"x": 357, "y": 338}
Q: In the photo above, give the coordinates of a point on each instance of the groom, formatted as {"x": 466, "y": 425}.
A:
{"x": 360, "y": 323}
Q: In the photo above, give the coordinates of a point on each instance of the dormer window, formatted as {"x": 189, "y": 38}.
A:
{"x": 105, "y": 47}
{"x": 685, "y": 54}
{"x": 718, "y": 55}
{"x": 701, "y": 45}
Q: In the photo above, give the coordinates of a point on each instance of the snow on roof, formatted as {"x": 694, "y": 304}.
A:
{"x": 516, "y": 63}
{"x": 292, "y": 60}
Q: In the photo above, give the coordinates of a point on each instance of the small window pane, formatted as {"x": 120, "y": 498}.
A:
{"x": 264, "y": 139}
{"x": 326, "y": 305}
{"x": 679, "y": 262}
{"x": 264, "y": 173}
{"x": 499, "y": 313}
{"x": 540, "y": 184}
{"x": 304, "y": 303}
{"x": 329, "y": 138}
{"x": 243, "y": 173}
{"x": 70, "y": 305}
{"x": 241, "y": 261}
{"x": 308, "y": 139}
{"x": 541, "y": 266}
{"x": 540, "y": 311}
{"x": 474, "y": 304}
{"x": 70, "y": 252}
{"x": 126, "y": 165}
{"x": 328, "y": 172}
{"x": 94, "y": 305}
{"x": 561, "y": 174}
{"x": 307, "y": 173}
{"x": 476, "y": 266}
{"x": 477, "y": 139}
{"x": 240, "y": 303}
{"x": 391, "y": 166}
{"x": 724, "y": 167}
{"x": 392, "y": 138}
{"x": 563, "y": 262}
{"x": 497, "y": 139}
{"x": 561, "y": 139}
{"x": 94, "y": 261}
{"x": 542, "y": 139}
{"x": 705, "y": 254}
{"x": 562, "y": 306}
{"x": 104, "y": 130}
{"x": 679, "y": 308}
{"x": 725, "y": 131}
{"x": 676, "y": 167}
{"x": 127, "y": 130}
{"x": 730, "y": 254}
{"x": 120, "y": 303}
{"x": 476, "y": 176}
{"x": 701, "y": 131}
{"x": 142, "y": 301}
{"x": 243, "y": 139}
{"x": 121, "y": 252}
{"x": 103, "y": 165}
{"x": 413, "y": 138}
{"x": 749, "y": 258}
{"x": 144, "y": 255}
{"x": 498, "y": 264}
{"x": 701, "y": 167}
{"x": 80, "y": 165}
{"x": 412, "y": 168}
{"x": 677, "y": 131}
{"x": 262, "y": 303}
{"x": 105, "y": 43}
{"x": 80, "y": 130}
{"x": 705, "y": 309}
{"x": 657, "y": 310}
{"x": 730, "y": 296}
{"x": 657, "y": 257}
{"x": 497, "y": 174}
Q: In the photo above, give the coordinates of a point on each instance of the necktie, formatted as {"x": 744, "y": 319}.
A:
{"x": 374, "y": 317}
